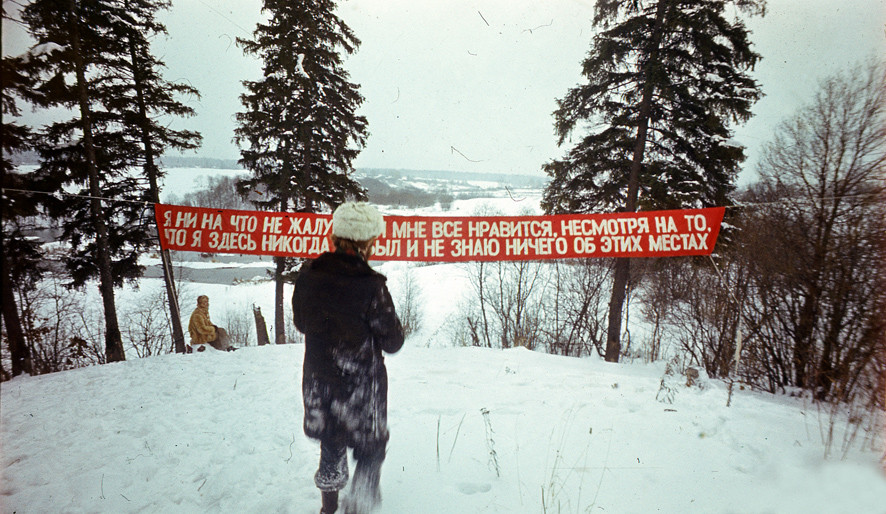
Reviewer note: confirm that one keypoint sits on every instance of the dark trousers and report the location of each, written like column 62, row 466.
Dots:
column 332, row 474
column 367, row 474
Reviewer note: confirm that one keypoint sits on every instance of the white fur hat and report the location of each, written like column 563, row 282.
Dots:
column 357, row 221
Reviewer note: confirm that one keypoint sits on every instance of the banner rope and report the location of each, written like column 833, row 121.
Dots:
column 146, row 203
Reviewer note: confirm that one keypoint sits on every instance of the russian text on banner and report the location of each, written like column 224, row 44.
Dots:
column 447, row 238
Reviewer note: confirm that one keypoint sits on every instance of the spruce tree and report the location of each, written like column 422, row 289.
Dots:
column 78, row 47
column 665, row 78
column 300, row 133
column 22, row 264
column 91, row 57
column 143, row 102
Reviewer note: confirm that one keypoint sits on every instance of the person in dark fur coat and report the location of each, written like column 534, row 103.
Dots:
column 348, row 317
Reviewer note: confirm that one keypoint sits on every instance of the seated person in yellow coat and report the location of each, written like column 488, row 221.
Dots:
column 202, row 330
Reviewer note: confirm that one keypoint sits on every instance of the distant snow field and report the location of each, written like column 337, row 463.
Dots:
column 180, row 181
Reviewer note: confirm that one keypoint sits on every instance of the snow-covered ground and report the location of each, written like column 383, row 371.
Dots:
column 179, row 181
column 473, row 430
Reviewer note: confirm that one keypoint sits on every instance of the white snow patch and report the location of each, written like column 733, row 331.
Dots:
column 221, row 432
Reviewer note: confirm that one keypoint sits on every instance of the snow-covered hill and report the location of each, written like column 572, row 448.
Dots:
column 473, row 430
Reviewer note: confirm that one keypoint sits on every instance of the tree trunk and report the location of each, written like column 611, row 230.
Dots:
column 279, row 317
column 616, row 304
column 178, row 334
column 113, row 340
column 481, row 281
column 279, row 270
column 18, row 350
column 623, row 266
column 809, row 312
column 178, row 337
column 804, row 354
column 829, row 372
column 803, row 341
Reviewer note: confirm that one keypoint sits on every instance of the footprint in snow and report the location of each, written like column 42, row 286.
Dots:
column 468, row 488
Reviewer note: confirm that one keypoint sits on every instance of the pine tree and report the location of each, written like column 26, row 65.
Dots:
column 142, row 102
column 94, row 58
column 78, row 63
column 76, row 46
column 299, row 133
column 22, row 264
column 664, row 80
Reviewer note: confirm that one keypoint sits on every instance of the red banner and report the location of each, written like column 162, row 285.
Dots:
column 447, row 239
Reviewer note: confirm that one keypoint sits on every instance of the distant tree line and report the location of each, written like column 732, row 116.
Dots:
column 219, row 193
column 515, row 180
column 404, row 196
column 172, row 161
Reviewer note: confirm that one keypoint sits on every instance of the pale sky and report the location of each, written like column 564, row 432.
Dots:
column 471, row 85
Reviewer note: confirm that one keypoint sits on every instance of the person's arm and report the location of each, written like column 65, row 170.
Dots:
column 384, row 322
column 298, row 300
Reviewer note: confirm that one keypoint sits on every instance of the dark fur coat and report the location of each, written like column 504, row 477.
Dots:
column 348, row 317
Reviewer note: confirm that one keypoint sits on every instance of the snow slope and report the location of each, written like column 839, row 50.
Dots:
column 221, row 432
column 473, row 430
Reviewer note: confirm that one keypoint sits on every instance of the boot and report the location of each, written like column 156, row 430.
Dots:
column 330, row 502
column 364, row 496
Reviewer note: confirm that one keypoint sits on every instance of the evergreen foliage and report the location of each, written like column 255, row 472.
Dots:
column 20, row 255
column 145, row 100
column 142, row 102
column 126, row 100
column 92, row 59
column 300, row 132
column 77, row 63
column 665, row 78
column 678, row 67
column 22, row 266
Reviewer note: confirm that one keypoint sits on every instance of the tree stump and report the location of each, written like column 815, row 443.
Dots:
column 261, row 329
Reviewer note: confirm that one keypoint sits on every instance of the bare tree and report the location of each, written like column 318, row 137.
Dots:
column 556, row 306
column 666, row 284
column 704, row 317
column 518, row 290
column 821, row 275
column 239, row 325
column 478, row 276
column 148, row 326
column 60, row 329
column 478, row 322
column 218, row 192
column 408, row 304
column 575, row 307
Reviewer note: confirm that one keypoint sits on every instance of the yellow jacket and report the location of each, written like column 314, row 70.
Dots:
column 200, row 327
